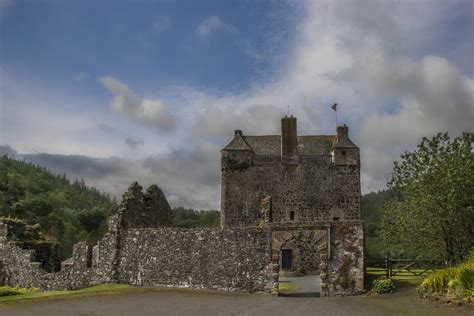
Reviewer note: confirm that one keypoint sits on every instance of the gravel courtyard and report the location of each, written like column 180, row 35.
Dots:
column 143, row 301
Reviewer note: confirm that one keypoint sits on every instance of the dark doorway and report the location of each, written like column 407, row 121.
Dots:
column 286, row 259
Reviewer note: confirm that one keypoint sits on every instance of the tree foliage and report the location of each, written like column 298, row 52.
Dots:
column 431, row 214
column 189, row 218
column 67, row 211
column 372, row 206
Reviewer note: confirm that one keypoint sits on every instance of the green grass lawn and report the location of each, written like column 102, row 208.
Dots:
column 401, row 276
column 95, row 290
column 287, row 287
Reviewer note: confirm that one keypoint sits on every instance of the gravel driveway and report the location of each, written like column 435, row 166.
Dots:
column 142, row 301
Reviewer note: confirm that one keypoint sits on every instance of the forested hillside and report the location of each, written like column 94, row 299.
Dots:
column 66, row 211
column 372, row 209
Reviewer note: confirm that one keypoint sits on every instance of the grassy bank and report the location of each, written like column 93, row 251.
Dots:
column 95, row 290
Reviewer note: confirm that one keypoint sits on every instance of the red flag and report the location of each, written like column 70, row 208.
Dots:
column 334, row 107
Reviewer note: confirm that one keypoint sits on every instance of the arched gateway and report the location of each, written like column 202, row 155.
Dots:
column 319, row 240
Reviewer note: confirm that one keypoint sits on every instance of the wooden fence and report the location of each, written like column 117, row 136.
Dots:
column 413, row 266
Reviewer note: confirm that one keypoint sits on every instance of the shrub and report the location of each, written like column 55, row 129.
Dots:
column 466, row 278
column 383, row 285
column 455, row 281
column 9, row 291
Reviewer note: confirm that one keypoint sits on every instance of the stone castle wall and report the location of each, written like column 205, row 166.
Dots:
column 230, row 259
column 237, row 259
column 233, row 259
column 315, row 192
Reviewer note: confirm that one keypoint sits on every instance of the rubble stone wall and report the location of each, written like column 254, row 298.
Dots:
column 225, row 259
column 315, row 192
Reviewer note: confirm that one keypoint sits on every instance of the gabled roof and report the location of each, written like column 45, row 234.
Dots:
column 344, row 143
column 271, row 144
column 237, row 143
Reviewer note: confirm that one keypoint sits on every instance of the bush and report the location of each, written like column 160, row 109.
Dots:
column 383, row 285
column 466, row 278
column 9, row 291
column 455, row 282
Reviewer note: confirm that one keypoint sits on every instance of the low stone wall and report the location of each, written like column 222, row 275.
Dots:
column 231, row 259
column 19, row 267
column 225, row 259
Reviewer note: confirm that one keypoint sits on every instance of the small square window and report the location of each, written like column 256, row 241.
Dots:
column 292, row 215
column 335, row 218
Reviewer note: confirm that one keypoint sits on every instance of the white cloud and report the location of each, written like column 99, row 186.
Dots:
column 150, row 112
column 374, row 58
column 161, row 24
column 208, row 25
column 364, row 56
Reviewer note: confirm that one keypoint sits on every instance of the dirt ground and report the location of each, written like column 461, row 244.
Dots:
column 148, row 301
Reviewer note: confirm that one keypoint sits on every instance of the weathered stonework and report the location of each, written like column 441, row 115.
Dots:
column 300, row 193
column 301, row 187
column 226, row 259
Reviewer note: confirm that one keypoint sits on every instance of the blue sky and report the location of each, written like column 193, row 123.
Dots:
column 151, row 90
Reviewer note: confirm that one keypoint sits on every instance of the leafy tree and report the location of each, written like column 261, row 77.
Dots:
column 189, row 218
column 432, row 213
column 372, row 206
column 68, row 212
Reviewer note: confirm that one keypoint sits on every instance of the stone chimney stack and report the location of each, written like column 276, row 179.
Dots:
column 342, row 132
column 289, row 140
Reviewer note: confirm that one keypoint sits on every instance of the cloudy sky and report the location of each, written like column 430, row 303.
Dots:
column 117, row 91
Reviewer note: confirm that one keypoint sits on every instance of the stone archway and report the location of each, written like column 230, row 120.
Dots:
column 320, row 240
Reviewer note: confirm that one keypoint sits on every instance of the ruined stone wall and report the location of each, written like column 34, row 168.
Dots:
column 230, row 259
column 314, row 192
column 20, row 268
column 346, row 265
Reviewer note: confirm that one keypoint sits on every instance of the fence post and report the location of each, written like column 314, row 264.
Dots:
column 390, row 266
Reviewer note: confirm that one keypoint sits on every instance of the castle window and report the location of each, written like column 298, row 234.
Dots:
column 292, row 215
column 335, row 218
column 343, row 153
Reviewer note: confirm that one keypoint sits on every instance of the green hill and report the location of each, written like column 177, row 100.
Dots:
column 67, row 212
column 372, row 208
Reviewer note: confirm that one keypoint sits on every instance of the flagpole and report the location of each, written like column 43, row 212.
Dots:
column 334, row 108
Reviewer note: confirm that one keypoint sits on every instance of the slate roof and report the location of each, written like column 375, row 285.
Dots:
column 271, row 144
column 344, row 143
